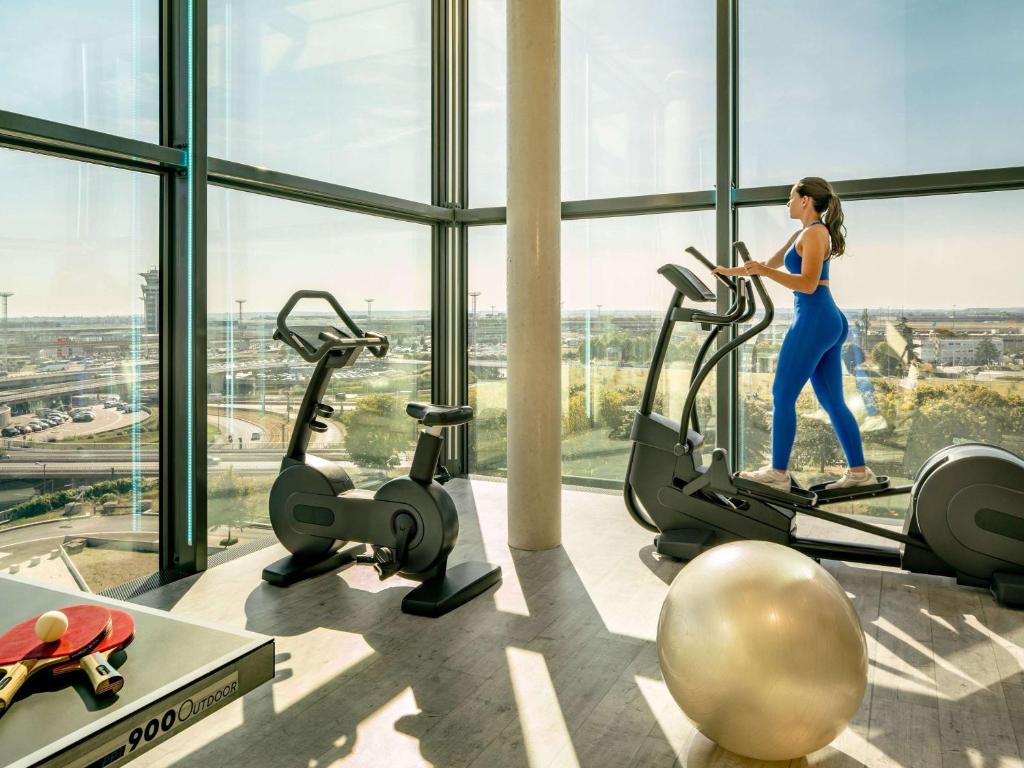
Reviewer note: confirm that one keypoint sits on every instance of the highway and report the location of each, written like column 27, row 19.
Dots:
column 109, row 379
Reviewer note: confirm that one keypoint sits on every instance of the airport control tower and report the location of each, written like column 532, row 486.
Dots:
column 151, row 299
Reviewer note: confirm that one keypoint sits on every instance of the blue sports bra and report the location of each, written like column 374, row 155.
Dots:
column 793, row 262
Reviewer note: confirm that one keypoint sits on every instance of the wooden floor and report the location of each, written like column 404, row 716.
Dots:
column 559, row 667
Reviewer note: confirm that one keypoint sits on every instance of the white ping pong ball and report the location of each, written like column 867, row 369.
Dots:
column 51, row 626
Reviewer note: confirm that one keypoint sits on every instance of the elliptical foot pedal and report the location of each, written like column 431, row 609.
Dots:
column 293, row 568
column 1008, row 589
column 880, row 488
column 683, row 543
column 796, row 494
column 460, row 584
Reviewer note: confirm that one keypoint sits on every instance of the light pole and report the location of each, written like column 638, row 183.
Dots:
column 5, row 295
column 43, row 465
column 472, row 340
column 369, row 302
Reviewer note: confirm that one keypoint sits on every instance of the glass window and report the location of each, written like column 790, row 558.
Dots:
column 638, row 100
column 487, row 103
column 332, row 91
column 94, row 65
column 79, row 371
column 488, row 351
column 878, row 88
column 612, row 310
column 638, row 97
column 930, row 287
column 262, row 250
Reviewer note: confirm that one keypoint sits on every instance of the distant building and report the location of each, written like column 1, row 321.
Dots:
column 956, row 350
column 151, row 299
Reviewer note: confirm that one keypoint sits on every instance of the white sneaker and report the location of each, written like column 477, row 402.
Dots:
column 874, row 424
column 767, row 475
column 853, row 479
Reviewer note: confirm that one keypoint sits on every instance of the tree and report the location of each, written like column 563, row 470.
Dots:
column 377, row 430
column 987, row 352
column 756, row 426
column 903, row 329
column 816, row 444
column 865, row 322
column 887, row 361
column 229, row 500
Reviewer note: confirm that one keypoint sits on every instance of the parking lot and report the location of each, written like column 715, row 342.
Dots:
column 104, row 419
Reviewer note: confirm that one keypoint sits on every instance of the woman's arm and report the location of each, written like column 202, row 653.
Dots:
column 813, row 256
column 780, row 256
column 730, row 271
column 775, row 261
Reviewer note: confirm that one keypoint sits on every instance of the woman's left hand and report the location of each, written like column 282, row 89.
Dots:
column 756, row 268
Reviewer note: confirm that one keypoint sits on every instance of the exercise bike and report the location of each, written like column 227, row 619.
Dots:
column 966, row 517
column 410, row 523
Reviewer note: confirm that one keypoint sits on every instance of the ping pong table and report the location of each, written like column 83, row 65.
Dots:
column 177, row 671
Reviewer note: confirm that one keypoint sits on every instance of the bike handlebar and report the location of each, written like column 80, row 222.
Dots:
column 332, row 338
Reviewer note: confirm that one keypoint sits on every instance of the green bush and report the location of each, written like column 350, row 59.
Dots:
column 617, row 406
column 378, row 429
column 575, row 419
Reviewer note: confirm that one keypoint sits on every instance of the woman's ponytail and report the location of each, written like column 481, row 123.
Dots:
column 828, row 206
column 833, row 219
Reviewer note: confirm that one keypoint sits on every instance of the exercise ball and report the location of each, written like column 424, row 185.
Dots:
column 762, row 650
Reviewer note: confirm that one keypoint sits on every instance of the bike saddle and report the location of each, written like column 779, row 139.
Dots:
column 440, row 415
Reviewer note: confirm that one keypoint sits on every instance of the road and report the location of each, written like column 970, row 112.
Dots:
column 331, row 437
column 79, row 526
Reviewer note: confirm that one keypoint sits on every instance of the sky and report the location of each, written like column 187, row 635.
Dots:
column 340, row 90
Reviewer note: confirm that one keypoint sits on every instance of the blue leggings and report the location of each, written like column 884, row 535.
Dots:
column 812, row 350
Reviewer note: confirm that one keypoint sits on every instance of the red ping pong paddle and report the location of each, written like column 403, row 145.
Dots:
column 22, row 654
column 104, row 678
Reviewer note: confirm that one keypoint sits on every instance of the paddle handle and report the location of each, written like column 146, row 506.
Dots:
column 14, row 677
column 104, row 678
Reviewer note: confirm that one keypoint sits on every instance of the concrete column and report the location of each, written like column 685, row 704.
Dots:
column 534, row 272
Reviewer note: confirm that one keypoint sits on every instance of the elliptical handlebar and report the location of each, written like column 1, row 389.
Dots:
column 766, row 301
column 331, row 338
column 741, row 307
column 746, row 307
column 724, row 279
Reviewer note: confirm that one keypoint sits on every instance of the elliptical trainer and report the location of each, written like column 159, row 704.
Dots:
column 410, row 523
column 966, row 516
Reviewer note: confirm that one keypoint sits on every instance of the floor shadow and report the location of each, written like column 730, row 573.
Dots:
column 449, row 685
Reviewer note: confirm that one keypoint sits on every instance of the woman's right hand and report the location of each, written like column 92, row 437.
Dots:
column 728, row 271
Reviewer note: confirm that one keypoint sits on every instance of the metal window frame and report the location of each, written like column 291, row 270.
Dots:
column 183, row 476
column 733, row 198
column 34, row 134
column 186, row 172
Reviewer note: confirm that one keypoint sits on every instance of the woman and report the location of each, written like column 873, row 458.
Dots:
column 813, row 344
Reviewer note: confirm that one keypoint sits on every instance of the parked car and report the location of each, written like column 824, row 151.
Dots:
column 25, row 429
column 10, row 432
column 83, row 416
